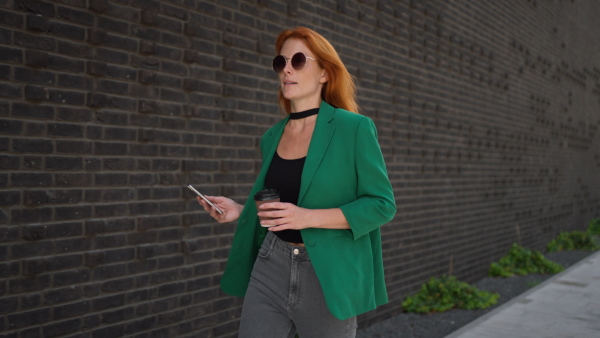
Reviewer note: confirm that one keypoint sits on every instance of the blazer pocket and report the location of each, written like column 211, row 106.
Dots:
column 345, row 235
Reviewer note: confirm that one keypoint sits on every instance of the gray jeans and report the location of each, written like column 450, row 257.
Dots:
column 284, row 296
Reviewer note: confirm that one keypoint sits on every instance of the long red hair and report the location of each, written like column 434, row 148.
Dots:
column 340, row 88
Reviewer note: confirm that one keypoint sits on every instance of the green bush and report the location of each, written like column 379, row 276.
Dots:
column 521, row 261
column 594, row 227
column 578, row 240
column 594, row 232
column 445, row 293
column 575, row 240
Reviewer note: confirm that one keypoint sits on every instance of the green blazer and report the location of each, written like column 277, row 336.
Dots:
column 344, row 168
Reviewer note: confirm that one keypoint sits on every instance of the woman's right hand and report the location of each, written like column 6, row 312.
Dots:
column 231, row 210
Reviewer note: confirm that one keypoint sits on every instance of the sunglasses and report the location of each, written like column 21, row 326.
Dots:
column 298, row 62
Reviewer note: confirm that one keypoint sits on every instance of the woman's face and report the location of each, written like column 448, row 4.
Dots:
column 302, row 87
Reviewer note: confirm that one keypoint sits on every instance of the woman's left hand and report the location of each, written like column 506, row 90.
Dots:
column 286, row 216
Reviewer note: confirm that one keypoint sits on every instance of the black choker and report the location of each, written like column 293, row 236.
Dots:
column 303, row 114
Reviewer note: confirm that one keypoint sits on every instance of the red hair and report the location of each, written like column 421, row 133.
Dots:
column 340, row 89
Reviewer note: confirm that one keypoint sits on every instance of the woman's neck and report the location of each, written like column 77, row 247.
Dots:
column 299, row 106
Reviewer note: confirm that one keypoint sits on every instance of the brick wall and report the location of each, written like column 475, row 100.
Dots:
column 488, row 114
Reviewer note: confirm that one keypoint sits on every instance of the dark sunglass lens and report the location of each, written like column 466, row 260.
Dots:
column 278, row 63
column 298, row 61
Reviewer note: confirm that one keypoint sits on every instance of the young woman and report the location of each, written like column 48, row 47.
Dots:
column 317, row 264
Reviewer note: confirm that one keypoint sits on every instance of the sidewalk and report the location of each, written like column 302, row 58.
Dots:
column 566, row 305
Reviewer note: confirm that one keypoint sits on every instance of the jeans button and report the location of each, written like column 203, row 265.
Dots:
column 296, row 251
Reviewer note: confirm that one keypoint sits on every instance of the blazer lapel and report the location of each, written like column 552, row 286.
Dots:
column 319, row 143
column 270, row 141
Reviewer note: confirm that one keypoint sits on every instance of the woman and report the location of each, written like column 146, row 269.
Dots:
column 317, row 264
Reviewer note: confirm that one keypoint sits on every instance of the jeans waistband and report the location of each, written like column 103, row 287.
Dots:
column 299, row 252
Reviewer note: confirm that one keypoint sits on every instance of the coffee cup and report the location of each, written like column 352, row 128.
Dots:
column 266, row 196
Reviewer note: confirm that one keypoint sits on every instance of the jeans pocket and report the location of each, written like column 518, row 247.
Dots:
column 264, row 252
column 267, row 247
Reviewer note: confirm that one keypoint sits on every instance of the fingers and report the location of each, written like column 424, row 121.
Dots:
column 213, row 213
column 277, row 216
column 272, row 222
column 221, row 218
column 203, row 203
column 275, row 205
column 277, row 228
column 276, row 224
column 281, row 223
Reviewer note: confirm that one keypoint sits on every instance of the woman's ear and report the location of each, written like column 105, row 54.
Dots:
column 324, row 77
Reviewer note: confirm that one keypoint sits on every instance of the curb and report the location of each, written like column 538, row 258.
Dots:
column 519, row 298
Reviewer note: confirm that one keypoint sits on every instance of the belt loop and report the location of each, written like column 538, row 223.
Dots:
column 273, row 239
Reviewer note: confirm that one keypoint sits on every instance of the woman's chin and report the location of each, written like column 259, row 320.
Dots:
column 288, row 94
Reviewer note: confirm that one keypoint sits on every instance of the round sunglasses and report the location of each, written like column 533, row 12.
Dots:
column 298, row 62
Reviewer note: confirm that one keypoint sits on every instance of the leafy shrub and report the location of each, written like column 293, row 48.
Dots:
column 594, row 227
column 578, row 240
column 445, row 293
column 521, row 261
column 594, row 232
column 575, row 240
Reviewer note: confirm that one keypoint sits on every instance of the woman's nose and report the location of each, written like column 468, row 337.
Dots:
column 288, row 67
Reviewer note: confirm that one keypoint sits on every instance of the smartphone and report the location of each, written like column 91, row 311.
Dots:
column 204, row 198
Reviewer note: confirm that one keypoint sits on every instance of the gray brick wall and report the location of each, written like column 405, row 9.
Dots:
column 488, row 114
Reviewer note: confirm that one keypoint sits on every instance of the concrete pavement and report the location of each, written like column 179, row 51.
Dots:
column 565, row 305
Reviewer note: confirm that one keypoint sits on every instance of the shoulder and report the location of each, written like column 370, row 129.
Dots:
column 350, row 118
column 353, row 121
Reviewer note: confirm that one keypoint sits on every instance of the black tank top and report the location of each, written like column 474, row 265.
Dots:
column 286, row 176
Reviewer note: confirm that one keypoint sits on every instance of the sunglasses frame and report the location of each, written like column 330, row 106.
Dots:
column 292, row 61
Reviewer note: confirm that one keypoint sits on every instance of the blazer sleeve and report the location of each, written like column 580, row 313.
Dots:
column 375, row 204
